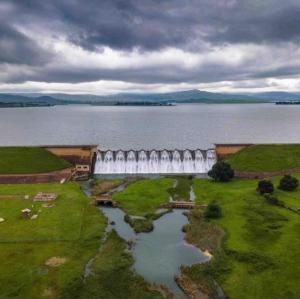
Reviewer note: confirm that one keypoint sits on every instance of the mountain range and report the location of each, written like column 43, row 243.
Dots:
column 188, row 96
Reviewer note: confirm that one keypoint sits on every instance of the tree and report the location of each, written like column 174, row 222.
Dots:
column 221, row 172
column 288, row 183
column 213, row 210
column 265, row 186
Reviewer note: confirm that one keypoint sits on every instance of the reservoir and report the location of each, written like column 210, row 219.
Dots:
column 183, row 126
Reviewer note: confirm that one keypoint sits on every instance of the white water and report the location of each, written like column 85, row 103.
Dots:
column 155, row 161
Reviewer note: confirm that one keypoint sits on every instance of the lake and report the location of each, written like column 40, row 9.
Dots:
column 181, row 126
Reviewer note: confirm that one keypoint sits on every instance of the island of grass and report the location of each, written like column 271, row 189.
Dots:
column 266, row 158
column 141, row 200
column 29, row 160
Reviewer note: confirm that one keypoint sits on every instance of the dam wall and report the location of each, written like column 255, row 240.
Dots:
column 154, row 161
column 75, row 154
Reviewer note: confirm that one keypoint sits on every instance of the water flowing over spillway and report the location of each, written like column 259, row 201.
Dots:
column 154, row 161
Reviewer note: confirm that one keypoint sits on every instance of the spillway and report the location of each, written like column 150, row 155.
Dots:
column 154, row 161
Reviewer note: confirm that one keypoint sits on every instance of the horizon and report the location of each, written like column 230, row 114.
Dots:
column 53, row 93
column 141, row 47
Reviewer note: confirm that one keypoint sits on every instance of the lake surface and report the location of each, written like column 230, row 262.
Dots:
column 159, row 254
column 182, row 126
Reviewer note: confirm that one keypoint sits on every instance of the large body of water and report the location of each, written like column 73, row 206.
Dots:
column 183, row 126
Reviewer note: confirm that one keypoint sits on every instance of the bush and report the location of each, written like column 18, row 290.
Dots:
column 265, row 186
column 213, row 210
column 221, row 172
column 288, row 183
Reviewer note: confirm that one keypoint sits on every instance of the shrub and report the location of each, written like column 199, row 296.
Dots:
column 288, row 183
column 221, row 172
column 265, row 186
column 213, row 210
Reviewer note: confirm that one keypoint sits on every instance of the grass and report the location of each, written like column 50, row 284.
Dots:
column 113, row 276
column 144, row 197
column 103, row 186
column 272, row 157
column 71, row 229
column 22, row 160
column 181, row 192
column 261, row 244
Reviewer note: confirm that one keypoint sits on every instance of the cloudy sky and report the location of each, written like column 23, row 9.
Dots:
column 108, row 46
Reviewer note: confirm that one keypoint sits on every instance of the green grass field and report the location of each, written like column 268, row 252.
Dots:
column 20, row 160
column 71, row 229
column 261, row 247
column 272, row 157
column 112, row 276
column 144, row 196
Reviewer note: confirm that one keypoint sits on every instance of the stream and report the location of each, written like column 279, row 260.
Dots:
column 159, row 254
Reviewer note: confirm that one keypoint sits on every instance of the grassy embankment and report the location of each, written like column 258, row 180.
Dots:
column 21, row 160
column 271, row 157
column 70, row 231
column 103, row 186
column 259, row 256
column 112, row 276
column 142, row 199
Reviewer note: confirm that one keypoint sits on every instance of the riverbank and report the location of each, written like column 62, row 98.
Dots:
column 253, row 244
column 259, row 248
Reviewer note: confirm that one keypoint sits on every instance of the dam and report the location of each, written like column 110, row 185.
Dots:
column 154, row 161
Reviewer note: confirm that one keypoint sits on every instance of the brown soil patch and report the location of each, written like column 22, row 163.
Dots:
column 190, row 288
column 48, row 293
column 55, row 261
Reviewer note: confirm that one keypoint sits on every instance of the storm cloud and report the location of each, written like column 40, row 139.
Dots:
column 149, row 42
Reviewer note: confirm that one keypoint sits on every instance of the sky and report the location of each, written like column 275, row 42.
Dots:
column 111, row 46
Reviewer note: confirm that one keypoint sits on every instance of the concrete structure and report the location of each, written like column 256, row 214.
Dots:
column 105, row 200
column 75, row 154
column 42, row 196
column 180, row 205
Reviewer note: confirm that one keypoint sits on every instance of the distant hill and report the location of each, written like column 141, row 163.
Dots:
column 188, row 96
column 14, row 98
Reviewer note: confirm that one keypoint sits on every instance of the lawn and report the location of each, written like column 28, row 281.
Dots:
column 181, row 190
column 272, row 157
column 20, row 160
column 261, row 247
column 145, row 196
column 71, row 229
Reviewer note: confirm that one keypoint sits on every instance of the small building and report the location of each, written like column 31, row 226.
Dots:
column 83, row 168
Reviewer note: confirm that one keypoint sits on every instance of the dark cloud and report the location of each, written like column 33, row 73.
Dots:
column 16, row 48
column 155, row 24
column 146, row 25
